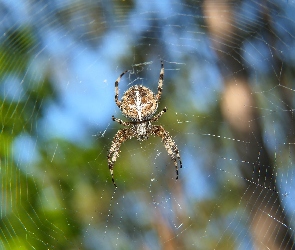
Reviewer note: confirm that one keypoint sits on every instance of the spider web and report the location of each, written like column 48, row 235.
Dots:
column 229, row 89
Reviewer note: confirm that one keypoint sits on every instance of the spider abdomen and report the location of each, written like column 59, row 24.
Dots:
column 138, row 103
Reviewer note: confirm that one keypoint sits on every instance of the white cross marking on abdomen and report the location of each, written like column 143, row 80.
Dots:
column 139, row 106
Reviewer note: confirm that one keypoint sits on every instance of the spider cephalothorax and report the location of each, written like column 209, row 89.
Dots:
column 139, row 104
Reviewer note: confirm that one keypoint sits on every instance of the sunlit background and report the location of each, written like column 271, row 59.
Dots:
column 229, row 90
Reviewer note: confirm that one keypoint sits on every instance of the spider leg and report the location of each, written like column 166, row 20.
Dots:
column 160, row 82
column 117, row 89
column 120, row 137
column 169, row 144
column 121, row 122
column 156, row 117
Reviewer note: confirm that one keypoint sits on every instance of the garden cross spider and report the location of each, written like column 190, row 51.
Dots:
column 139, row 104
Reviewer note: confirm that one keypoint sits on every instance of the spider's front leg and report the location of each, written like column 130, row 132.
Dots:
column 117, row 89
column 169, row 144
column 160, row 82
column 121, row 136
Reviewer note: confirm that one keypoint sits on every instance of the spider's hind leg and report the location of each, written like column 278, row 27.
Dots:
column 120, row 137
column 169, row 144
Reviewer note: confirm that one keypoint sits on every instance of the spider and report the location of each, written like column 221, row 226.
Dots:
column 139, row 104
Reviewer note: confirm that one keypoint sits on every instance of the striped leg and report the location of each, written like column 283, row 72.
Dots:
column 121, row 136
column 117, row 89
column 156, row 118
column 160, row 82
column 121, row 121
column 169, row 144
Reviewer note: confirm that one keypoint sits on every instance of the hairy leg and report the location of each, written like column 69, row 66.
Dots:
column 169, row 144
column 121, row 136
column 156, row 117
column 160, row 82
column 117, row 89
column 121, row 121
